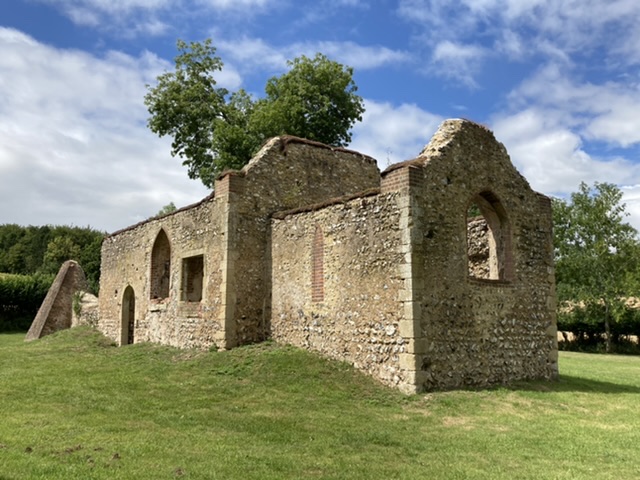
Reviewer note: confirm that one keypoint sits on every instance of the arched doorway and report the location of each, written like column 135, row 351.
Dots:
column 128, row 316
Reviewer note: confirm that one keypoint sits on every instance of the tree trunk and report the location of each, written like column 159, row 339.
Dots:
column 607, row 328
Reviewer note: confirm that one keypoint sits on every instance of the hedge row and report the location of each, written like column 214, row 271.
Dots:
column 587, row 327
column 20, row 299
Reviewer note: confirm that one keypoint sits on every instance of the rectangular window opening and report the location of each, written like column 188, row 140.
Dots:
column 192, row 278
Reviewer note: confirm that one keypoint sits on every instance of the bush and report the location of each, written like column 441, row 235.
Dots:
column 20, row 299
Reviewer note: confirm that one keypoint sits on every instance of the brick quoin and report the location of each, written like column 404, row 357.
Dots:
column 401, row 178
column 229, row 183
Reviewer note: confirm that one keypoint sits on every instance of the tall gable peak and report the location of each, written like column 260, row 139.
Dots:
column 460, row 131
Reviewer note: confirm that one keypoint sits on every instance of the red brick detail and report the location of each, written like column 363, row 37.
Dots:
column 400, row 178
column 229, row 184
column 317, row 266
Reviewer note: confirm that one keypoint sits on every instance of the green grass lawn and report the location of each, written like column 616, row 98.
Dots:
column 74, row 407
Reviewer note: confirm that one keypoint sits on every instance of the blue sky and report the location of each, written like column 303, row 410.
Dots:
column 556, row 80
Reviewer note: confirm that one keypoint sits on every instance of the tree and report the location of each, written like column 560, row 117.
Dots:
column 30, row 250
column 167, row 209
column 185, row 104
column 214, row 129
column 59, row 250
column 316, row 100
column 597, row 252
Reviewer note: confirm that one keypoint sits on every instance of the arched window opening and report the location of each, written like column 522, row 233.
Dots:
column 317, row 266
column 489, row 255
column 160, row 267
column 128, row 316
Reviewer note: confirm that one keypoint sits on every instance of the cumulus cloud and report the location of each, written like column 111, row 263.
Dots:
column 458, row 61
column 605, row 112
column 74, row 147
column 254, row 53
column 393, row 133
column 551, row 156
column 561, row 129
column 130, row 18
column 548, row 28
column 93, row 13
column 631, row 199
column 235, row 4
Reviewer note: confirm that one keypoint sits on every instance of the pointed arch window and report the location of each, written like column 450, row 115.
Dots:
column 160, row 267
column 128, row 316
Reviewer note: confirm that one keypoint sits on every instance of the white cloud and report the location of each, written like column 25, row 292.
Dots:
column 118, row 7
column 360, row 57
column 74, row 147
column 235, row 4
column 391, row 133
column 631, row 199
column 606, row 112
column 254, row 53
column 128, row 18
column 551, row 156
column 552, row 29
column 457, row 61
column 510, row 43
column 91, row 12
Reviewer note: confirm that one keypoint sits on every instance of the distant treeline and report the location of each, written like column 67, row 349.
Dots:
column 30, row 257
column 42, row 250
column 586, row 323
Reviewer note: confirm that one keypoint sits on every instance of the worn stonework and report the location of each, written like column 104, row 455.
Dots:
column 358, row 318
column 227, row 233
column 312, row 246
column 56, row 310
column 84, row 309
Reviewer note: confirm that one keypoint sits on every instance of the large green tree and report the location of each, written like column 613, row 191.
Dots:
column 214, row 129
column 597, row 252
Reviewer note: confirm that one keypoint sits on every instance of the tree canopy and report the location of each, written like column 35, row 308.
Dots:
column 597, row 252
column 214, row 129
column 42, row 250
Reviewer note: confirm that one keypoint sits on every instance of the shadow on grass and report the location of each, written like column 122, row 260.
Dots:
column 569, row 383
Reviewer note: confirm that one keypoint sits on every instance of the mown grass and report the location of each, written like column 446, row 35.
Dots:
column 74, row 407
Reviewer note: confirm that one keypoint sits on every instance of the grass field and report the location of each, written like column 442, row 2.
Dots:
column 74, row 407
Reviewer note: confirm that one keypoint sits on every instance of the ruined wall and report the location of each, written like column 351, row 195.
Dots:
column 391, row 277
column 470, row 331
column 55, row 312
column 478, row 250
column 127, row 262
column 350, row 309
column 287, row 173
column 85, row 309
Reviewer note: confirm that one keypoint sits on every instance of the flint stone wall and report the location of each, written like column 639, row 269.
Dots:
column 358, row 318
column 231, row 230
column 468, row 331
column 287, row 173
column 410, row 295
column 126, row 261
column 311, row 245
column 87, row 311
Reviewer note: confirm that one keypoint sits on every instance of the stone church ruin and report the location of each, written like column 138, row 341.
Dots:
column 434, row 274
